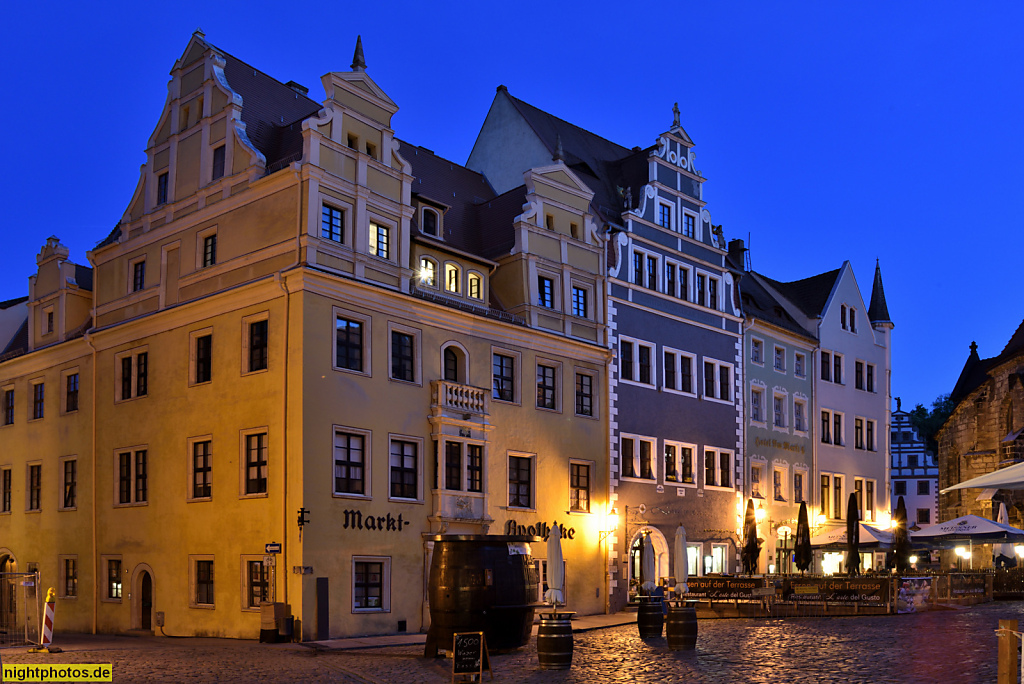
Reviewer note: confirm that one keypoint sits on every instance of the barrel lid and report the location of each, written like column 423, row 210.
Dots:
column 500, row 538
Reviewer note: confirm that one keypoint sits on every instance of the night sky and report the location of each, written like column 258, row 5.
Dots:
column 827, row 131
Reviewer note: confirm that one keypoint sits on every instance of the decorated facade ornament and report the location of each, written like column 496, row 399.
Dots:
column 675, row 115
column 719, row 235
column 358, row 61
column 559, row 155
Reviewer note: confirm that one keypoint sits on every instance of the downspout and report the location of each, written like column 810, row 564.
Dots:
column 95, row 558
column 284, row 382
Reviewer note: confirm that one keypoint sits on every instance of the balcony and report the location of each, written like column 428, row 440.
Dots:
column 463, row 400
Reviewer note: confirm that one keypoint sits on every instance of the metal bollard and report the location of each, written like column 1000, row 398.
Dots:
column 1007, row 672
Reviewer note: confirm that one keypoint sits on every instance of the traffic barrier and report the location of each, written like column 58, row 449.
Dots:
column 46, row 633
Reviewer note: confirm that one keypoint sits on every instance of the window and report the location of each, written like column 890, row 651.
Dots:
column 724, row 461
column 161, row 189
column 203, row 595
column 209, row 250
column 870, row 439
column 757, row 405
column 837, row 500
column 371, row 150
column 545, row 292
column 635, row 361
column 257, row 346
column 218, row 163
column 403, row 356
column 68, row 576
column 48, row 327
column 670, row 278
column 132, row 477
column 114, row 579
column 8, row 407
column 71, row 393
column 520, row 482
column 430, row 222
column 35, row 487
column 380, row 240
column 257, row 583
column 139, row 275
column 349, row 341
column 679, row 463
column 549, row 222
column 579, row 487
column 638, row 457
column 547, row 390
column 256, row 463
column 579, row 302
column 584, row 394
column 826, row 427
column 665, row 215
column 799, row 363
column 837, row 429
column 778, row 484
column 5, row 490
column 350, row 462
column 871, row 378
column 70, row 484
column 853, row 320
column 826, row 366
column 779, row 411
column 924, row 487
column 924, row 516
column 688, row 225
column 645, row 270
column 404, row 465
column 837, row 368
column 450, row 362
column 858, row 492
column 798, row 487
column 627, row 454
column 353, row 142
column 203, row 359
column 701, row 288
column 453, row 466
column 504, row 369
column 626, row 355
column 826, row 489
column 870, row 500
column 899, row 488
column 452, row 278
column 780, row 359
column 678, row 371
column 332, row 223
column 132, row 374
column 799, row 410
column 832, row 428
column 842, row 316
column 428, row 272
column 858, row 433
column 476, row 286
column 474, row 467
column 713, row 293
column 38, row 400
column 717, row 381
column 756, row 479
column 371, row 584
column 858, row 378
column 202, row 469
column 756, row 351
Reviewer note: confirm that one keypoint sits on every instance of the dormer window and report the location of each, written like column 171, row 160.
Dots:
column 476, row 286
column 452, row 278
column 430, row 222
column 428, row 272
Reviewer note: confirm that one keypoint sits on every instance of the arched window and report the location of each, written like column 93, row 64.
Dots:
column 454, row 363
column 475, row 286
column 428, row 272
column 451, row 365
column 430, row 222
column 452, row 278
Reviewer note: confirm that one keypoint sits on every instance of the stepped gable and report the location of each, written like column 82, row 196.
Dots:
column 809, row 294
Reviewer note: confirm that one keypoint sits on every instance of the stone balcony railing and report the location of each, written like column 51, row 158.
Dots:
column 466, row 399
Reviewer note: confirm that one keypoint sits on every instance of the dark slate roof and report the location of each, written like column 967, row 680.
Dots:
column 1016, row 343
column 975, row 370
column 497, row 222
column 83, row 276
column 759, row 303
column 18, row 344
column 11, row 302
column 809, row 294
column 454, row 186
column 272, row 112
column 603, row 165
column 877, row 310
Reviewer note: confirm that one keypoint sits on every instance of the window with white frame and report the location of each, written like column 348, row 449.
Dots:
column 332, row 223
column 831, row 427
column 869, row 435
column 757, row 351
column 853, row 320
column 463, row 466
column 780, row 359
column 548, row 391
column 645, row 269
column 858, row 492
column 131, row 374
column 858, row 375
column 799, row 477
column 579, row 301
column 351, row 342
column 664, row 214
column 380, row 240
column 800, row 415
column 858, row 433
column 671, row 278
column 586, row 387
column 504, row 365
column 842, row 316
column 636, row 361
column 779, row 410
column 452, row 278
column 757, row 405
column 837, row 368
column 545, row 292
column 351, row 462
column 677, row 371
column 428, row 272
column 718, row 465
column 757, row 479
column 719, row 558
column 637, row 457
column 405, row 468
column 521, row 480
column 869, row 500
column 779, row 483
column 718, row 380
column 403, row 351
column 371, row 584
column 131, row 476
column 580, row 485
column 825, row 495
column 679, row 466
column 870, row 380
column 838, row 503
column 475, row 286
column 826, row 366
column 689, row 225
column 799, row 365
column 430, row 222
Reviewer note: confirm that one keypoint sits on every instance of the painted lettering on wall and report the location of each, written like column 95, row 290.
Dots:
column 776, row 444
column 540, row 529
column 683, row 161
column 382, row 523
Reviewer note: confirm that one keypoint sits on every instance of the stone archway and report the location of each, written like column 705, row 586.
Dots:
column 661, row 552
column 8, row 591
column 143, row 592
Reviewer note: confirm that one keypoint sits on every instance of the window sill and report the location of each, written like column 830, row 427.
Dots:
column 202, row 606
column 548, row 410
column 717, row 488
column 129, row 399
column 110, row 600
column 583, row 415
column 255, row 372
column 518, row 508
column 716, row 400
column 358, row 611
column 669, row 390
column 505, row 401
column 673, row 483
column 70, row 508
column 351, row 496
column 641, row 480
column 583, row 513
column 645, row 385
column 200, row 384
column 780, row 428
column 397, row 499
column 352, row 371
column 759, row 423
column 68, row 598
column 199, row 499
column 414, row 383
column 33, row 510
column 259, row 495
column 132, row 504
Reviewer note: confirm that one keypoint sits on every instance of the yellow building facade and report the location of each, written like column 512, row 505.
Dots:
column 306, row 348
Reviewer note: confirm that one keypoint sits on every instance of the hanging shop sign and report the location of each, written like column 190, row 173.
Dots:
column 762, row 443
column 541, row 529
column 355, row 520
column 966, row 585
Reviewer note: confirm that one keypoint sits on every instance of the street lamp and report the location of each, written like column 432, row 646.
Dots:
column 961, row 553
column 1019, row 550
column 759, row 514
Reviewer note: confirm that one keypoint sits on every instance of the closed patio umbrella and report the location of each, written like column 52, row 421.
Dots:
column 751, row 545
column 901, row 537
column 556, row 569
column 852, row 537
column 647, row 566
column 682, row 568
column 804, row 555
column 1003, row 552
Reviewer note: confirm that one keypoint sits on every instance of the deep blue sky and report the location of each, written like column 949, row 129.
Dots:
column 827, row 131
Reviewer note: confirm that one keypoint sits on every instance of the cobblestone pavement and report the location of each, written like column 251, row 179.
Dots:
column 957, row 646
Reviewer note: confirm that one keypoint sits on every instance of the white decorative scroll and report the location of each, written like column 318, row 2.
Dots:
column 649, row 193
column 684, row 161
column 619, row 241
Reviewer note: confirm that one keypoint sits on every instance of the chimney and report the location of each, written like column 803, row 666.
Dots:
column 297, row 87
column 736, row 252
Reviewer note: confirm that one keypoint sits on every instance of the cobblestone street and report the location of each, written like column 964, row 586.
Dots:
column 938, row 646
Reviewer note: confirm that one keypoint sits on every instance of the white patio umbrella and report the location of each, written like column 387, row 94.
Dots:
column 556, row 569
column 648, row 569
column 1005, row 478
column 1003, row 519
column 870, row 537
column 682, row 567
column 968, row 528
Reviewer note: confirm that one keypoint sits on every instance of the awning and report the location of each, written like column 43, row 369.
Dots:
column 969, row 528
column 870, row 537
column 1013, row 435
column 1006, row 478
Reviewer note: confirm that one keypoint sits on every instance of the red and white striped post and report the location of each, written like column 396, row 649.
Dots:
column 47, row 636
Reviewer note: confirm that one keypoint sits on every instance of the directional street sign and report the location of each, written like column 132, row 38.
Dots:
column 272, row 547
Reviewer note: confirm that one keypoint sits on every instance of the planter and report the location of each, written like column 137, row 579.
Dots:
column 554, row 641
column 681, row 626
column 649, row 617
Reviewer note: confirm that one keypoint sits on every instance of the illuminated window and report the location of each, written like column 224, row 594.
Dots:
column 452, row 278
column 380, row 240
column 428, row 272
column 476, row 286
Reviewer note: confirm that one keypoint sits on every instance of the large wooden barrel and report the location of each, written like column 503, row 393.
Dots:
column 649, row 617
column 481, row 583
column 681, row 627
column 554, row 642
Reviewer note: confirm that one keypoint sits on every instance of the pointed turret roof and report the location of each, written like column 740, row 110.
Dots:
column 878, row 312
column 358, row 60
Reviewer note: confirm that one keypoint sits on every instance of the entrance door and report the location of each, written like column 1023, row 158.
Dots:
column 8, row 596
column 146, row 594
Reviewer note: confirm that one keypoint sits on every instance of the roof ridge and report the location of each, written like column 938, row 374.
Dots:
column 260, row 71
column 515, row 100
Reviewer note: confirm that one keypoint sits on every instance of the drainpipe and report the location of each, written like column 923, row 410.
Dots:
column 95, row 558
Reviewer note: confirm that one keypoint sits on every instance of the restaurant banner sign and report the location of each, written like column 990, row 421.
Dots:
column 967, row 585
column 722, row 587
column 835, row 590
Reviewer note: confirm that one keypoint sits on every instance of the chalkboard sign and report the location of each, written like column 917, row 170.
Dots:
column 469, row 654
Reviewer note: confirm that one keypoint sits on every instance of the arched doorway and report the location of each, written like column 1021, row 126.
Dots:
column 661, row 553
column 8, row 592
column 142, row 597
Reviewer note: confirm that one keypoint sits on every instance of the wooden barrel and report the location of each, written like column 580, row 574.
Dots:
column 554, row 642
column 481, row 583
column 649, row 618
column 681, row 627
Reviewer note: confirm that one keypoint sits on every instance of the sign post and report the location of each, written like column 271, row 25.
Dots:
column 469, row 656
